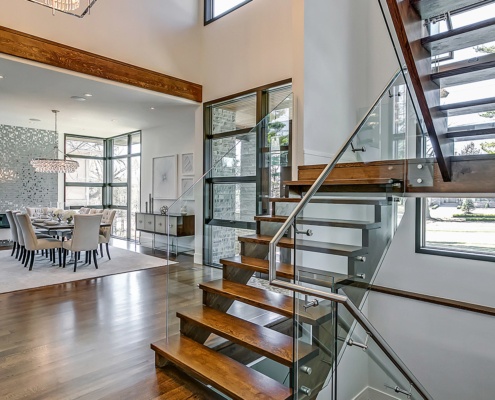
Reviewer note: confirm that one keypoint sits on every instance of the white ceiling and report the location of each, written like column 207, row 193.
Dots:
column 30, row 90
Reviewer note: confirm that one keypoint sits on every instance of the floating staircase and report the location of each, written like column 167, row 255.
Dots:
column 198, row 323
column 370, row 186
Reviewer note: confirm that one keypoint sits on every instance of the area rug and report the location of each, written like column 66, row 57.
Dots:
column 13, row 276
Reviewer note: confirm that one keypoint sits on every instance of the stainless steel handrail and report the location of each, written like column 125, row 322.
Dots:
column 344, row 300
column 318, row 182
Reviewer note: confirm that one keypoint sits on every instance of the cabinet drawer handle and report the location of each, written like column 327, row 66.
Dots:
column 140, row 221
column 149, row 222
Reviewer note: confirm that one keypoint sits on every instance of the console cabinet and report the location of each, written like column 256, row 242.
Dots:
column 156, row 224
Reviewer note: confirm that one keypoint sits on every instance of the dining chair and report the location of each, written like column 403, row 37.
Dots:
column 84, row 238
column 20, row 239
column 96, row 211
column 84, row 210
column 32, row 243
column 107, row 218
column 13, row 233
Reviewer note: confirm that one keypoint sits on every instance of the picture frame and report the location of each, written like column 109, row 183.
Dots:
column 187, row 163
column 185, row 185
column 165, row 177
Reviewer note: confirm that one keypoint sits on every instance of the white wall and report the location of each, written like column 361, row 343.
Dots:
column 158, row 35
column 248, row 48
column 175, row 136
column 348, row 60
column 450, row 351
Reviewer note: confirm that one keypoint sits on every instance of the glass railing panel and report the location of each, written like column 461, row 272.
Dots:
column 374, row 373
column 315, row 326
column 344, row 225
column 230, row 186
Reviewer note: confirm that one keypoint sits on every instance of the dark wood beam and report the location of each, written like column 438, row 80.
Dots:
column 410, row 30
column 23, row 45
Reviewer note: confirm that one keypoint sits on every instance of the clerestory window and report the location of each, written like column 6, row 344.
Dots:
column 215, row 9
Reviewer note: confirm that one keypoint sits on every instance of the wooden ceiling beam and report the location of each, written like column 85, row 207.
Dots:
column 23, row 45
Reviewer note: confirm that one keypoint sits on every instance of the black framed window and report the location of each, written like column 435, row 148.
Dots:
column 109, row 176
column 456, row 227
column 243, row 171
column 215, row 9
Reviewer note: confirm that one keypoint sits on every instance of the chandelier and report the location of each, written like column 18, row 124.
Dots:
column 55, row 165
column 71, row 7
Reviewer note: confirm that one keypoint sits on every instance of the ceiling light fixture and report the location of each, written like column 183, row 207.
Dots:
column 1, row 76
column 71, row 7
column 88, row 95
column 55, row 165
column 78, row 98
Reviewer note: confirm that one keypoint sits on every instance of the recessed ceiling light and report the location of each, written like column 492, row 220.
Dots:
column 1, row 76
column 78, row 98
column 152, row 108
column 113, row 120
column 35, row 119
column 88, row 95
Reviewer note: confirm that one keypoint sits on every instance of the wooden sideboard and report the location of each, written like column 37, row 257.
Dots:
column 156, row 224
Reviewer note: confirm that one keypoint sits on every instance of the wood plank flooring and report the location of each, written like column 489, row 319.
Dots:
column 91, row 339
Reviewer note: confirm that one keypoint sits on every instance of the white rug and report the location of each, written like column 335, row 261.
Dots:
column 13, row 275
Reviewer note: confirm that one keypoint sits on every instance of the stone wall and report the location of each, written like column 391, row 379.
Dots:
column 25, row 187
column 232, row 201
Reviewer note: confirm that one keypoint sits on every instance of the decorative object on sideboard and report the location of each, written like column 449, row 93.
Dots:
column 71, row 7
column 146, row 207
column 55, row 165
column 183, row 210
column 164, row 210
column 165, row 177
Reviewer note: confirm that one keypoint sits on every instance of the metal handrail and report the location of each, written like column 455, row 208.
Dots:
column 337, row 298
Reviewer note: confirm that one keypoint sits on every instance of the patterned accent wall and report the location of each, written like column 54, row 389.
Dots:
column 27, row 188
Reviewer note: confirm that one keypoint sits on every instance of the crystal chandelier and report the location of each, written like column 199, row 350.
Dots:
column 71, row 7
column 55, row 165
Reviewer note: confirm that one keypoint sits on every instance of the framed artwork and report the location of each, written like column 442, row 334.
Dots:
column 165, row 177
column 185, row 185
column 187, row 164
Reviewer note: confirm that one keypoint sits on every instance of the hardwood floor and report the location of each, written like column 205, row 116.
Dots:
column 91, row 339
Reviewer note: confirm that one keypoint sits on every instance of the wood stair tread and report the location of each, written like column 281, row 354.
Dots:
column 286, row 270
column 469, row 107
column 266, row 300
column 428, row 8
column 467, row 71
column 264, row 341
column 461, row 38
column 340, row 223
column 482, row 133
column 370, row 181
column 308, row 245
column 215, row 369
column 374, row 202
column 258, row 265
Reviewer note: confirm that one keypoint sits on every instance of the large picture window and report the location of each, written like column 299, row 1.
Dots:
column 249, row 160
column 215, row 9
column 457, row 227
column 109, row 176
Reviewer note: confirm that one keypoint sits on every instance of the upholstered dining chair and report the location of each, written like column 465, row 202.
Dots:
column 96, row 211
column 20, row 239
column 13, row 233
column 84, row 238
column 32, row 243
column 107, row 218
column 84, row 210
